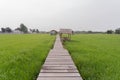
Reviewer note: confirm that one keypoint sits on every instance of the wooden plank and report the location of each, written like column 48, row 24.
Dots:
column 60, row 74
column 58, row 54
column 59, row 63
column 58, row 67
column 59, row 71
column 59, row 78
column 59, row 57
column 58, row 60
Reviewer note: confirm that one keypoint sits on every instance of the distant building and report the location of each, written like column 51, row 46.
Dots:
column 69, row 32
column 66, row 31
column 53, row 32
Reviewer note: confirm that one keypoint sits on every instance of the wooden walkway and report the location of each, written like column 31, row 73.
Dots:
column 59, row 65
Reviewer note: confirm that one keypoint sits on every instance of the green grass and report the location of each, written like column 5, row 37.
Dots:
column 97, row 56
column 21, row 55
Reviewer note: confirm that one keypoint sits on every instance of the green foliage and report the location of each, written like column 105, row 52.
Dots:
column 23, row 28
column 97, row 56
column 3, row 30
column 22, row 55
column 117, row 31
column 34, row 30
column 7, row 30
column 109, row 31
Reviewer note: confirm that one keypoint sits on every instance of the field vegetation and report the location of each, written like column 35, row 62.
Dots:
column 97, row 56
column 21, row 55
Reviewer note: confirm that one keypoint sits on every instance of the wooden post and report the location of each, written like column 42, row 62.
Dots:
column 70, row 36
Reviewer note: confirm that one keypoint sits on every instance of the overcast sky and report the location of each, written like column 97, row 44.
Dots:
column 96, row 15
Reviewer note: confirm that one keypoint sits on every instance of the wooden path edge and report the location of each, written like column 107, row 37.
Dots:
column 59, row 65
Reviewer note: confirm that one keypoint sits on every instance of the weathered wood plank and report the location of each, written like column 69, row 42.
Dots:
column 59, row 74
column 58, row 67
column 59, row 78
column 58, row 60
column 59, row 71
column 59, row 63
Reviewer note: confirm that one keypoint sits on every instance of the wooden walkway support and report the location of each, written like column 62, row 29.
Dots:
column 59, row 65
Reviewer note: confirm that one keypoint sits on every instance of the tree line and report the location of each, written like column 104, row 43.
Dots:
column 117, row 31
column 22, row 29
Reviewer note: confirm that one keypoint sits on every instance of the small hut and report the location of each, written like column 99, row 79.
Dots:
column 53, row 32
column 67, row 32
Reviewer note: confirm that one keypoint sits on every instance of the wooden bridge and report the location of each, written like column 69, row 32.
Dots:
column 59, row 65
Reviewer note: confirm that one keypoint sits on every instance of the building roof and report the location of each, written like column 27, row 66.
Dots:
column 66, row 31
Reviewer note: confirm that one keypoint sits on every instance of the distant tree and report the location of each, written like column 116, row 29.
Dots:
column 8, row 30
column 18, row 29
column 109, row 31
column 30, row 30
column 117, row 31
column 23, row 28
column 3, row 30
column 37, row 31
column 89, row 31
column 34, row 30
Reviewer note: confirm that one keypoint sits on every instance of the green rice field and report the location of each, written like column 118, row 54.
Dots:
column 21, row 55
column 97, row 56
